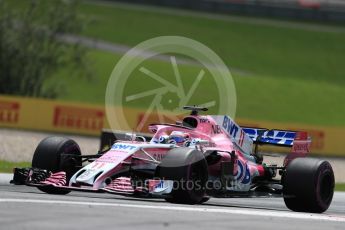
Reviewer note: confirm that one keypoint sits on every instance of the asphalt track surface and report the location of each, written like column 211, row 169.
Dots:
column 24, row 207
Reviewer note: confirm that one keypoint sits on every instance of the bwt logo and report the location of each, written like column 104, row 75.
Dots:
column 9, row 112
column 78, row 118
column 123, row 147
column 230, row 127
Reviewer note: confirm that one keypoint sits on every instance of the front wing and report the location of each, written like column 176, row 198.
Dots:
column 40, row 178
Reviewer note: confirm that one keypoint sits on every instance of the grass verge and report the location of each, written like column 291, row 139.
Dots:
column 258, row 97
column 340, row 187
column 7, row 167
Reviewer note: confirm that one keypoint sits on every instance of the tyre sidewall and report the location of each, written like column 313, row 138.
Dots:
column 188, row 169
column 304, row 183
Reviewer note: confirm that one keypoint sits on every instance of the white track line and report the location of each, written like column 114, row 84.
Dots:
column 264, row 213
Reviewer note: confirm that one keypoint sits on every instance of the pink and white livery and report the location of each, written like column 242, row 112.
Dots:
column 188, row 162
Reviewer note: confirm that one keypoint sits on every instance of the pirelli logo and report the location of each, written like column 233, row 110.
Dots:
column 9, row 112
column 78, row 118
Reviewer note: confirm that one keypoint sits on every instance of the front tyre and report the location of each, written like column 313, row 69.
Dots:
column 57, row 154
column 188, row 169
column 308, row 185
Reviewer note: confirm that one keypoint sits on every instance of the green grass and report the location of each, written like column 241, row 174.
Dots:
column 291, row 74
column 261, row 49
column 288, row 70
column 259, row 97
column 340, row 187
column 7, row 167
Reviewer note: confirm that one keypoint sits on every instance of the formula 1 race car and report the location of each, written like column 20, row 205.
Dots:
column 187, row 162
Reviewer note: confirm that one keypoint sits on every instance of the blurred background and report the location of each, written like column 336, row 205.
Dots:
column 286, row 57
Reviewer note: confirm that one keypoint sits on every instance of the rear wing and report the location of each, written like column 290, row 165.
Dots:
column 273, row 137
column 299, row 141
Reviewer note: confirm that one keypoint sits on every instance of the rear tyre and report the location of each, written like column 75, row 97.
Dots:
column 308, row 185
column 49, row 155
column 188, row 169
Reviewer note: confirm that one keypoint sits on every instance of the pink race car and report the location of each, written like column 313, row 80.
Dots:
column 187, row 162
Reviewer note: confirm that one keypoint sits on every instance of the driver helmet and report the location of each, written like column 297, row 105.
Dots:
column 179, row 137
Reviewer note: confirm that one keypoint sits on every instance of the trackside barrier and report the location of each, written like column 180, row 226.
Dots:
column 86, row 119
column 48, row 115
